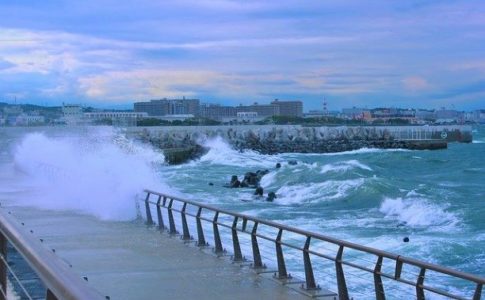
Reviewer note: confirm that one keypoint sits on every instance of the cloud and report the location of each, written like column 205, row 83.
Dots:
column 415, row 83
column 5, row 64
column 241, row 50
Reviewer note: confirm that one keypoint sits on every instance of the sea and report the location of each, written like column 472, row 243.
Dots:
column 374, row 197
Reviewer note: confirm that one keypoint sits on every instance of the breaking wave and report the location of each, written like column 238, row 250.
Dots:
column 417, row 212
column 99, row 174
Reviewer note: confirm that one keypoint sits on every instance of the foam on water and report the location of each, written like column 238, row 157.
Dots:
column 222, row 153
column 98, row 176
column 344, row 166
column 417, row 212
column 317, row 192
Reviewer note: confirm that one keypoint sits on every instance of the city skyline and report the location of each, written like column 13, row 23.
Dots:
column 111, row 54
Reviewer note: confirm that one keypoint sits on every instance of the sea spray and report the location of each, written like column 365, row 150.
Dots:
column 417, row 212
column 99, row 174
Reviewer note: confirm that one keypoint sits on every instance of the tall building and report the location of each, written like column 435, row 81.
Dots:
column 289, row 108
column 165, row 107
column 263, row 110
column 217, row 112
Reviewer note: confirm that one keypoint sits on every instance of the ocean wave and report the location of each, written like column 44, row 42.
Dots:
column 344, row 166
column 99, row 174
column 365, row 151
column 417, row 212
column 222, row 153
column 317, row 192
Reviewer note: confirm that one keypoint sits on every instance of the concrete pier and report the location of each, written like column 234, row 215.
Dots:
column 127, row 260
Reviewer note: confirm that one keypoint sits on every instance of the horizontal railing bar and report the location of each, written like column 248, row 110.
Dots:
column 53, row 272
column 346, row 244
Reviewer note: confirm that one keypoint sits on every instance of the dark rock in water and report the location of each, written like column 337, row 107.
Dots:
column 278, row 165
column 259, row 191
column 271, row 197
column 211, row 184
column 292, row 162
column 406, row 239
column 234, row 183
column 243, row 184
column 251, row 179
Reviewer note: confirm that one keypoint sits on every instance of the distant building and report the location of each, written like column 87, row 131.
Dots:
column 100, row 115
column 248, row 116
column 353, row 113
column 425, row 115
column 479, row 116
column 289, row 108
column 449, row 116
column 263, row 110
column 165, row 107
column 72, row 114
column 29, row 120
column 218, row 112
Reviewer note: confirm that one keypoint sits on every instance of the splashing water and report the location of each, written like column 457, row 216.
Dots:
column 99, row 174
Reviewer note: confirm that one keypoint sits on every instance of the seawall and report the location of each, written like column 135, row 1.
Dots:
column 271, row 139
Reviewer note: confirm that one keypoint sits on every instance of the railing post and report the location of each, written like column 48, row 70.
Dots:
column 217, row 238
column 378, row 286
column 185, row 227
column 3, row 266
column 50, row 296
column 419, row 284
column 148, row 212
column 309, row 278
column 172, row 229
column 235, row 242
column 254, row 242
column 200, row 232
column 161, row 226
column 478, row 292
column 343, row 293
column 280, row 258
column 397, row 273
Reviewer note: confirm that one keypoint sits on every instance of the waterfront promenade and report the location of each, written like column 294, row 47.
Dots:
column 127, row 260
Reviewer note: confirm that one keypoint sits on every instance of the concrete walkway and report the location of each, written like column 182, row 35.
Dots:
column 127, row 260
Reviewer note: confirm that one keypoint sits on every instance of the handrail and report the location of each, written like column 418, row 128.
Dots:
column 339, row 258
column 60, row 281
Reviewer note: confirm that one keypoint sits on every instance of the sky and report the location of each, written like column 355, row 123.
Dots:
column 107, row 53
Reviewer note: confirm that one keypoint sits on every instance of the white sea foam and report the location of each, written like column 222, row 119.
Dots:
column 316, row 192
column 366, row 150
column 416, row 211
column 344, row 166
column 99, row 174
column 222, row 153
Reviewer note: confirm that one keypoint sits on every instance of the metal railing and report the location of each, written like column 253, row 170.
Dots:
column 59, row 280
column 386, row 274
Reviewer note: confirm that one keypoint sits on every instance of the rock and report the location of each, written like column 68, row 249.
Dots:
column 405, row 239
column 211, row 184
column 251, row 179
column 278, row 165
column 259, row 191
column 292, row 162
column 271, row 197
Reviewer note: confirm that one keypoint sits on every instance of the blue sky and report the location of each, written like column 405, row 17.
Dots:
column 354, row 53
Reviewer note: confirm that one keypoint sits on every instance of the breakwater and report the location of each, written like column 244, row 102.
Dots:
column 182, row 143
